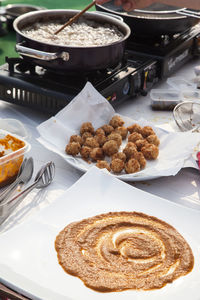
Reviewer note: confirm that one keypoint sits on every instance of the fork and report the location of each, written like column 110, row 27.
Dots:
column 24, row 175
column 43, row 178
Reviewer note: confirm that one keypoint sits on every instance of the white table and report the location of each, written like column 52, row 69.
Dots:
column 183, row 188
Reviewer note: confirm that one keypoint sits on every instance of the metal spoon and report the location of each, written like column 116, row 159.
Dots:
column 43, row 178
column 24, row 175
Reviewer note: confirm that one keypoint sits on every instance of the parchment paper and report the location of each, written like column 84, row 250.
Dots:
column 90, row 106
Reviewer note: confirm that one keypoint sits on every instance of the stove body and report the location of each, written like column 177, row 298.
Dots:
column 144, row 64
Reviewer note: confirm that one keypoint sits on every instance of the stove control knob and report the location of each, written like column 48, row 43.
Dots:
column 135, row 83
column 151, row 75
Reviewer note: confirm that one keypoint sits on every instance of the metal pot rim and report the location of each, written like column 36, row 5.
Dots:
column 9, row 9
column 60, row 11
column 139, row 14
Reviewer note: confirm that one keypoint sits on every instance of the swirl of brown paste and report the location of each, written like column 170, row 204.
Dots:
column 123, row 250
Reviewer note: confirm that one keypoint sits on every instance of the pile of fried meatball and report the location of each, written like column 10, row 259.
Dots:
column 141, row 144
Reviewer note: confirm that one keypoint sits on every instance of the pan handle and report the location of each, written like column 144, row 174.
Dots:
column 47, row 56
column 109, row 14
column 188, row 13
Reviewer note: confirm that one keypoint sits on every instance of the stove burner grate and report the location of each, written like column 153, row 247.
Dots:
column 44, row 89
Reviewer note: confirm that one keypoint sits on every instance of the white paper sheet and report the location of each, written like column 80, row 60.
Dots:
column 90, row 106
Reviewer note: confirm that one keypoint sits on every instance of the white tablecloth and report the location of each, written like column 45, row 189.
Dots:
column 183, row 188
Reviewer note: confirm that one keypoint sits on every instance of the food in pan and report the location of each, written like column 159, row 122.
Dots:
column 126, row 149
column 118, row 251
column 82, row 33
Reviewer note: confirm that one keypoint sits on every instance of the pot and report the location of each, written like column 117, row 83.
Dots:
column 12, row 11
column 52, row 56
column 155, row 20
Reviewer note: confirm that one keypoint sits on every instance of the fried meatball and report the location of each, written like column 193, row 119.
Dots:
column 99, row 131
column 141, row 143
column 107, row 129
column 120, row 155
column 133, row 137
column 73, row 148
column 117, row 165
column 85, row 135
column 110, row 147
column 101, row 139
column 116, row 137
column 130, row 150
column 146, row 131
column 141, row 159
column 91, row 142
column 116, row 121
column 134, row 128
column 76, row 138
column 102, row 164
column 96, row 154
column 85, row 152
column 153, row 139
column 150, row 151
column 123, row 131
column 86, row 127
column 132, row 166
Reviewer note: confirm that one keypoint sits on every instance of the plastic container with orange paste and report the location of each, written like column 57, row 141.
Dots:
column 12, row 151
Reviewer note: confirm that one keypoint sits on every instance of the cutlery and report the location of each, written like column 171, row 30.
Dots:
column 43, row 178
column 24, row 175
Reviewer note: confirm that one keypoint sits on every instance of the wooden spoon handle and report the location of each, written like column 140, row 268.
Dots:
column 74, row 18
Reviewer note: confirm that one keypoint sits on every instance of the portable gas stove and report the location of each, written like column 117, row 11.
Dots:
column 146, row 61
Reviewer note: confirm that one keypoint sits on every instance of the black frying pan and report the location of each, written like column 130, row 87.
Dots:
column 69, row 58
column 154, row 20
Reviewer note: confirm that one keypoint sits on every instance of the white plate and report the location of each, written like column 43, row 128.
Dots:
column 28, row 260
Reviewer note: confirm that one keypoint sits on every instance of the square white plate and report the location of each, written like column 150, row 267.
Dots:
column 28, row 260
